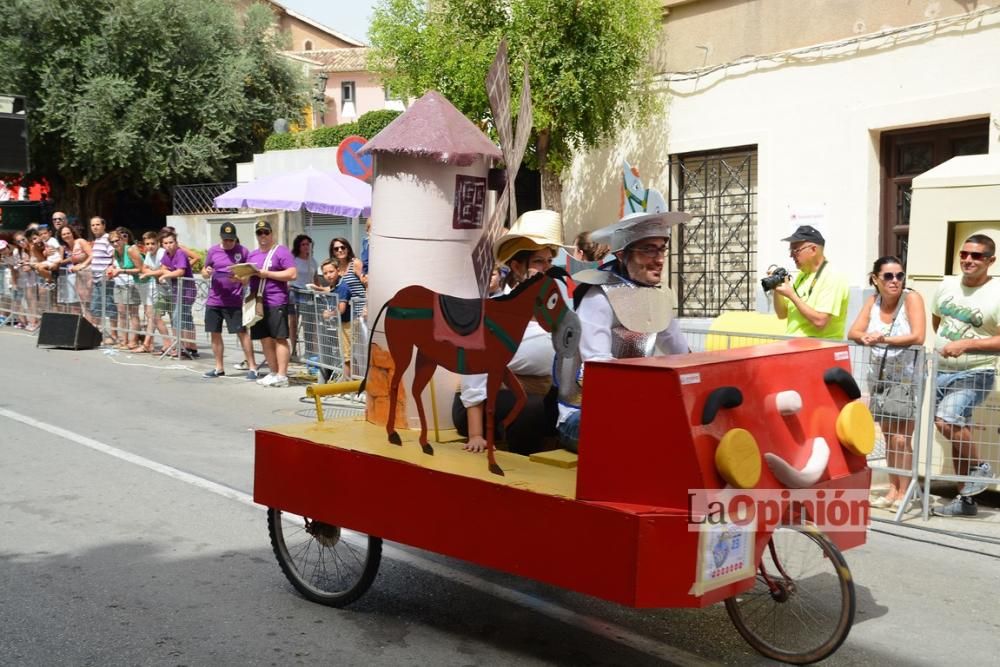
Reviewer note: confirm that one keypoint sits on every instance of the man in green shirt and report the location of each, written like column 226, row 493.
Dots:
column 815, row 302
column 966, row 318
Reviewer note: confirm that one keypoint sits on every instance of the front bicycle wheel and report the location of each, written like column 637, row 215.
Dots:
column 801, row 607
column 325, row 563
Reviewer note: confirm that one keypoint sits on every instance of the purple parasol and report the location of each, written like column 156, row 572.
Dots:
column 316, row 191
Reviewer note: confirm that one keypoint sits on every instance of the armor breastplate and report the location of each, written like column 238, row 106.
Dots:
column 628, row 344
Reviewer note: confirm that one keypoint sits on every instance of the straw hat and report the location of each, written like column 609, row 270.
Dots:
column 534, row 230
column 637, row 226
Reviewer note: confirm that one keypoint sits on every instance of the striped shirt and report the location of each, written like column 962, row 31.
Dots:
column 101, row 257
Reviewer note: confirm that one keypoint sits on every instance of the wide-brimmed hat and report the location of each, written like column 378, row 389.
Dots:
column 534, row 230
column 638, row 226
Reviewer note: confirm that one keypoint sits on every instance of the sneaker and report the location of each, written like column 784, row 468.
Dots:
column 252, row 375
column 267, row 380
column 279, row 381
column 186, row 353
column 244, row 366
column 957, row 507
column 983, row 471
column 214, row 373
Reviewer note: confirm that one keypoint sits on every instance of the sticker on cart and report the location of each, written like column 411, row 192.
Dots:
column 725, row 555
column 690, row 378
column 842, row 355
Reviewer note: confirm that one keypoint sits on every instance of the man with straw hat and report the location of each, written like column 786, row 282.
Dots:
column 526, row 249
column 625, row 311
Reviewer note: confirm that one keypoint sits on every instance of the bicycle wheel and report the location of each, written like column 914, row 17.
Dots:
column 325, row 563
column 801, row 607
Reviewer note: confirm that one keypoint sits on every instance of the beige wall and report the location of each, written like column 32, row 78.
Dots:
column 368, row 95
column 703, row 33
column 301, row 31
column 298, row 30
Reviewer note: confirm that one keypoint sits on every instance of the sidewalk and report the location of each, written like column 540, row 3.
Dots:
column 981, row 532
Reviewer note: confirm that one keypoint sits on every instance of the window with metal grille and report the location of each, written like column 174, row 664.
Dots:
column 713, row 262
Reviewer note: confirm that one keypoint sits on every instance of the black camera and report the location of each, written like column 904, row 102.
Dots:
column 778, row 276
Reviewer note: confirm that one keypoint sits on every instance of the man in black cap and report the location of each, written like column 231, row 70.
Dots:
column 225, row 299
column 815, row 302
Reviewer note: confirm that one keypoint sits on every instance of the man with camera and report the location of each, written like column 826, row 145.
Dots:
column 815, row 302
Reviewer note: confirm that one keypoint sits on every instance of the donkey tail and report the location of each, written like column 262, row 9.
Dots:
column 371, row 337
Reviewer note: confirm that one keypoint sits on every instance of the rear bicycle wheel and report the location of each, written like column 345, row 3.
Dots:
column 801, row 607
column 325, row 563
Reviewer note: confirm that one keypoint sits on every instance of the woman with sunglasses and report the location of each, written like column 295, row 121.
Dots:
column 350, row 286
column 300, row 301
column 889, row 322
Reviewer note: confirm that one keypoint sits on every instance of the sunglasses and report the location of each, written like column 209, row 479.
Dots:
column 976, row 256
column 889, row 275
column 338, row 247
column 263, row 232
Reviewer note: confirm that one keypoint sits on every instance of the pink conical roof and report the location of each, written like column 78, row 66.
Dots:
column 433, row 128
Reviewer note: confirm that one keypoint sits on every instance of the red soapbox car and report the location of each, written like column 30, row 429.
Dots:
column 736, row 476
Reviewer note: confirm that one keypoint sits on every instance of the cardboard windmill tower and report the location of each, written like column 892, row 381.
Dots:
column 430, row 216
column 429, row 207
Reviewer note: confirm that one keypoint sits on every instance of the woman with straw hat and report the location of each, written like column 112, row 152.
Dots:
column 625, row 311
column 527, row 248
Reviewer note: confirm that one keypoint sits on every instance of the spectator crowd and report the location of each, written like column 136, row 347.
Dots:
column 140, row 291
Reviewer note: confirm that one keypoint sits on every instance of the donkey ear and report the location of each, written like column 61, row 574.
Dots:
column 557, row 272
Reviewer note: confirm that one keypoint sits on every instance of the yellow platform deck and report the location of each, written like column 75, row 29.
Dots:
column 357, row 434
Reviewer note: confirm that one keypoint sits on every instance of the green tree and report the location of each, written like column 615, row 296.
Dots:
column 141, row 94
column 588, row 60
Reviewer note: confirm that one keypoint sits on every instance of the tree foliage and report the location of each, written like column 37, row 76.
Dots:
column 367, row 125
column 140, row 94
column 588, row 60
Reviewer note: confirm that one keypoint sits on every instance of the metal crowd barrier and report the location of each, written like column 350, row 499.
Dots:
column 124, row 309
column 905, row 430
column 963, row 393
column 338, row 350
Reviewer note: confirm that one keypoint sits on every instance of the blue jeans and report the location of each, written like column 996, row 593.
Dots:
column 102, row 301
column 958, row 393
column 569, row 431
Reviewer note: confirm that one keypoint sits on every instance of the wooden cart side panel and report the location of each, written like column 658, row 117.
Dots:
column 571, row 544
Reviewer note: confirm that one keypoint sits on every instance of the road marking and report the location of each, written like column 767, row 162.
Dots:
column 593, row 625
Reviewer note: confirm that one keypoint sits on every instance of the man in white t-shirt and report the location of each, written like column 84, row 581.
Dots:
column 966, row 318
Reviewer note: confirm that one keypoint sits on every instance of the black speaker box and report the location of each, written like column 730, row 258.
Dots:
column 68, row 331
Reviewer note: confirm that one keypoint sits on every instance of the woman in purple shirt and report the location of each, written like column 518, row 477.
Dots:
column 276, row 268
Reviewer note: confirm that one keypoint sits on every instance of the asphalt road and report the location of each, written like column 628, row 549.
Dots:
column 128, row 537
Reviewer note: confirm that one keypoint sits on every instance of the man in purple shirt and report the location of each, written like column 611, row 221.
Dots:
column 225, row 299
column 276, row 267
column 176, row 272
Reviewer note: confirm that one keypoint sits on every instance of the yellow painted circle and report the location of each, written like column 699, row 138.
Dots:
column 737, row 458
column 856, row 428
